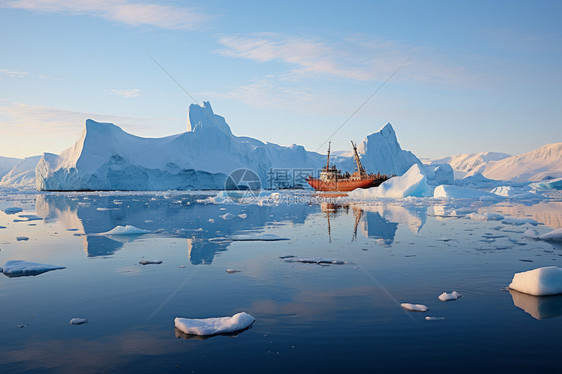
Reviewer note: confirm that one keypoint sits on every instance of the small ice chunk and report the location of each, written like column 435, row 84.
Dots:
column 78, row 321
column 227, row 216
column 18, row 268
column 531, row 233
column 148, row 262
column 232, row 271
column 434, row 318
column 316, row 260
column 555, row 235
column 257, row 237
column 211, row 220
column 243, row 215
column 539, row 282
column 485, row 216
column 214, row 326
column 125, row 230
column 414, row 307
column 13, row 210
column 449, row 296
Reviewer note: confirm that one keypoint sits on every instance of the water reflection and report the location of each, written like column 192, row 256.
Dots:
column 539, row 307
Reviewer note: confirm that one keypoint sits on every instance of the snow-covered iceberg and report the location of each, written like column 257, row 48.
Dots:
column 125, row 230
column 22, row 174
column 108, row 158
column 539, row 282
column 214, row 326
column 412, row 183
column 18, row 268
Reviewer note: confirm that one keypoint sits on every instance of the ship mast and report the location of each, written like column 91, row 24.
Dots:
column 328, row 161
column 360, row 167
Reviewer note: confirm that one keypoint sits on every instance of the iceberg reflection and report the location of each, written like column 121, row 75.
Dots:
column 539, row 307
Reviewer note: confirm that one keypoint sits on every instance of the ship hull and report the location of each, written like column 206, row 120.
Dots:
column 344, row 184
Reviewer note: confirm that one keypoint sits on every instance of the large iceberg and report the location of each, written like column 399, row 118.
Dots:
column 107, row 158
column 539, row 282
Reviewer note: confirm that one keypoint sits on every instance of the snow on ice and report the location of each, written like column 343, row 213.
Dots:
column 414, row 307
column 449, row 296
column 539, row 282
column 18, row 268
column 214, row 326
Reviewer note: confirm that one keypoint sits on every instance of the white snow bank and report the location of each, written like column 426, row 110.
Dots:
column 214, row 326
column 125, row 230
column 485, row 216
column 412, row 183
column 78, row 321
column 12, row 210
column 449, row 296
column 456, row 192
column 18, row 268
column 257, row 237
column 539, row 282
column 554, row 235
column 414, row 307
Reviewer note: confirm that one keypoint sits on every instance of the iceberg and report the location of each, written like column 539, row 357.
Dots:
column 18, row 268
column 412, row 183
column 125, row 230
column 214, row 326
column 22, row 174
column 549, row 184
column 449, row 296
column 539, row 282
column 414, row 307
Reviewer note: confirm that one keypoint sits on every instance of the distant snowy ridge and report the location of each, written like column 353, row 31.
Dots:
column 464, row 164
column 22, row 174
column 107, row 158
column 6, row 164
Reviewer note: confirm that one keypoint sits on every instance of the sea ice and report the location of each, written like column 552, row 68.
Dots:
column 13, row 210
column 531, row 233
column 456, row 192
column 413, row 183
column 485, row 216
column 539, row 282
column 315, row 260
column 227, row 216
column 18, row 268
column 232, row 271
column 148, row 262
column 78, row 321
column 125, row 230
column 449, row 296
column 519, row 221
column 434, row 318
column 414, row 307
column 214, row 326
column 554, row 235
column 257, row 237
column 243, row 215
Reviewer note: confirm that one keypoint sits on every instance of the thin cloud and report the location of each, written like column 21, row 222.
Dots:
column 134, row 92
column 358, row 58
column 124, row 11
column 15, row 74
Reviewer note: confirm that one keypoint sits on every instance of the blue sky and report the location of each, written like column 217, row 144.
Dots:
column 482, row 76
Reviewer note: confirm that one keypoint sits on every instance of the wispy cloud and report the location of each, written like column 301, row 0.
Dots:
column 360, row 58
column 134, row 92
column 14, row 73
column 124, row 11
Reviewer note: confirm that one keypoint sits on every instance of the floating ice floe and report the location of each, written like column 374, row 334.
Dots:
column 78, row 321
column 13, row 210
column 434, row 318
column 243, row 216
column 414, row 307
column 257, row 237
column 18, row 268
column 214, row 326
column 413, row 183
column 518, row 221
column 449, row 296
column 125, row 230
column 554, row 235
column 515, row 192
column 232, row 271
column 148, row 262
column 314, row 260
column 455, row 192
column 539, row 282
column 485, row 216
column 227, row 216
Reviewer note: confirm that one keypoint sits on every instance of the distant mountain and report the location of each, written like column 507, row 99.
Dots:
column 468, row 164
column 542, row 163
column 107, row 158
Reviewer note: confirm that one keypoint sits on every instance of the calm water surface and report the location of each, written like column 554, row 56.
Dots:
column 309, row 318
